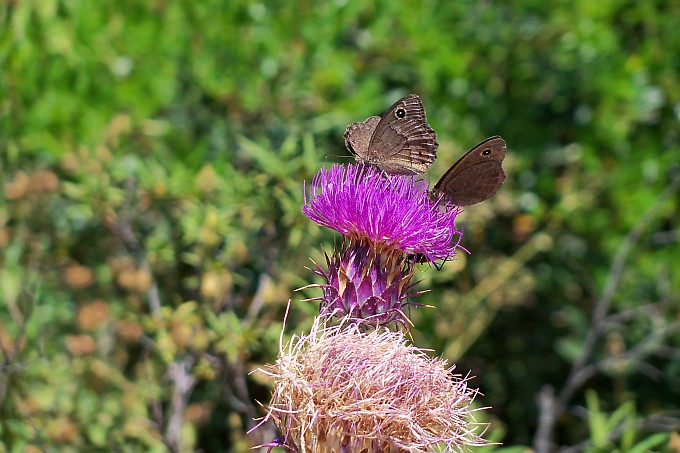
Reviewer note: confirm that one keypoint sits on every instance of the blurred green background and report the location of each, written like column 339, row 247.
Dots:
column 152, row 156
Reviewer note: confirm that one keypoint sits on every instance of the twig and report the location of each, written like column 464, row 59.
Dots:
column 236, row 389
column 630, row 314
column 183, row 381
column 123, row 230
column 258, row 299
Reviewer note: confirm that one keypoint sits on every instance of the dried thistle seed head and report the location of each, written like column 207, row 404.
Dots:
column 341, row 389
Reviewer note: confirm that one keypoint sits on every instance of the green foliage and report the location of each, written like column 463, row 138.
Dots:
column 620, row 424
column 152, row 156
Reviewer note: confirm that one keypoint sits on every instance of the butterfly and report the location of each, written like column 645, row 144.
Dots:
column 474, row 178
column 398, row 142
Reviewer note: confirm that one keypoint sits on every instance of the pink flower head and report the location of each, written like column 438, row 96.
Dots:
column 386, row 221
column 392, row 211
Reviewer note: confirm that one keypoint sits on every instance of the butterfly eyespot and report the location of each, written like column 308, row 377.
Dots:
column 486, row 152
column 400, row 113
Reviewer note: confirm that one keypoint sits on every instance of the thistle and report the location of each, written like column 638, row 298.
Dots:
column 340, row 389
column 355, row 385
column 385, row 221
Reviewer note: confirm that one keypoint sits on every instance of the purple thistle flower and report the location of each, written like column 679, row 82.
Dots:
column 386, row 221
column 387, row 210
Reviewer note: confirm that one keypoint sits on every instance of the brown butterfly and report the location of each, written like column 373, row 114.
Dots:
column 474, row 177
column 399, row 142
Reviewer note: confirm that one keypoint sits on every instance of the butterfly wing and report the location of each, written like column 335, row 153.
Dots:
column 358, row 137
column 403, row 142
column 476, row 176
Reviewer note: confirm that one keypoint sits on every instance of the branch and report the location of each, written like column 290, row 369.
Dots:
column 123, row 230
column 551, row 407
column 183, row 381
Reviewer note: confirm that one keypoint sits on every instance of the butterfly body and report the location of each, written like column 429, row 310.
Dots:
column 398, row 142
